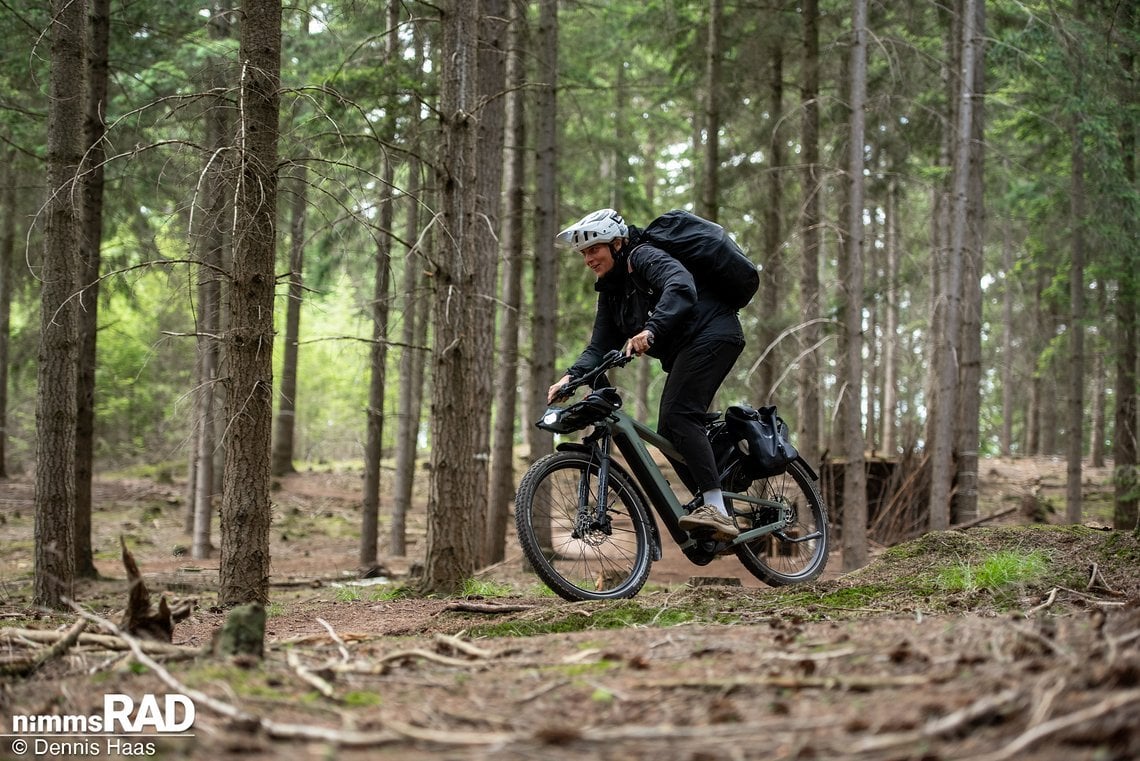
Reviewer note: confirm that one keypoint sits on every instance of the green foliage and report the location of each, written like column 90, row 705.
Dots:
column 486, row 588
column 996, row 572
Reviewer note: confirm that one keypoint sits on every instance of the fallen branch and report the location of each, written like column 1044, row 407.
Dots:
column 476, row 607
column 1051, row 599
column 984, row 519
column 306, row 675
column 65, row 642
column 857, row 683
column 102, row 641
column 971, row 714
column 461, row 646
column 344, row 655
column 1041, row 731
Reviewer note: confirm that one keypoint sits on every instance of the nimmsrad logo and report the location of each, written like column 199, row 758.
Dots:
column 120, row 714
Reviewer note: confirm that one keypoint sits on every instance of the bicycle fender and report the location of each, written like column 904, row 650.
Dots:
column 655, row 550
column 808, row 468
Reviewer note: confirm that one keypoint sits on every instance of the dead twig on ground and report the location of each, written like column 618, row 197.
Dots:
column 477, row 607
column 102, row 641
column 854, row 683
column 1041, row 731
column 1048, row 602
column 30, row 665
column 984, row 519
column 344, row 654
column 971, row 714
column 308, row 676
column 462, row 646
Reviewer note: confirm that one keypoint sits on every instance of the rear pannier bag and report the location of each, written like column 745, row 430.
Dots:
column 761, row 437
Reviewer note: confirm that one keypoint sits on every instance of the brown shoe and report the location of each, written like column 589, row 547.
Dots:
column 708, row 517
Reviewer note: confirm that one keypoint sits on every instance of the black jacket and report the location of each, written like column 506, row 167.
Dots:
column 649, row 289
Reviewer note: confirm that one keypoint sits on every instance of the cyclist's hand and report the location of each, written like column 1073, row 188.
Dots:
column 557, row 390
column 639, row 344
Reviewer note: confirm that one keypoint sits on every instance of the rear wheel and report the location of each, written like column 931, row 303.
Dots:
column 579, row 557
column 797, row 552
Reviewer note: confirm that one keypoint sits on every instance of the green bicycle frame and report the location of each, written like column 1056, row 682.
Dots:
column 630, row 437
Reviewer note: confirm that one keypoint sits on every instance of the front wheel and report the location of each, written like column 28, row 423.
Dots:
column 578, row 556
column 797, row 552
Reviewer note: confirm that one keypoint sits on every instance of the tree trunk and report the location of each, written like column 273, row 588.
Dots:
column 942, row 439
column 244, row 572
column 284, row 432
column 544, row 304
column 507, row 357
column 1007, row 358
column 7, row 248
column 56, row 383
column 710, row 182
column 411, row 374
column 91, row 239
column 460, row 396
column 970, row 370
column 1074, row 424
column 854, row 473
column 217, row 216
column 1126, row 441
column 811, row 182
column 413, row 337
column 378, row 355
column 888, row 420
column 772, row 273
column 493, row 17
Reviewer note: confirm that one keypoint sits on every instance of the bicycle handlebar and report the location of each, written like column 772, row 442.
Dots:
column 612, row 358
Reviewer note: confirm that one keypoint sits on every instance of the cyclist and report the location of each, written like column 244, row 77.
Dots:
column 648, row 303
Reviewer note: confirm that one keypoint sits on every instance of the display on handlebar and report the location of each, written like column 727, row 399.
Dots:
column 594, row 407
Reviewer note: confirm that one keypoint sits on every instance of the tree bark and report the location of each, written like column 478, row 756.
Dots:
column 1074, row 425
column 811, row 183
column 544, row 304
column 970, row 370
column 772, row 273
column 378, row 355
column 285, row 431
column 507, row 357
column 56, row 382
column 7, row 248
column 413, row 336
column 217, row 215
column 1126, row 441
column 244, row 572
column 1007, row 357
column 458, row 488
column 889, row 420
column 854, row 473
column 91, row 239
column 942, row 439
column 710, row 182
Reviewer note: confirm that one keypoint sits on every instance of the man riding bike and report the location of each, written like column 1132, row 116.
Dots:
column 648, row 303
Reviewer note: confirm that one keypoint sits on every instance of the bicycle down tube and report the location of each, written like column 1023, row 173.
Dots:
column 630, row 437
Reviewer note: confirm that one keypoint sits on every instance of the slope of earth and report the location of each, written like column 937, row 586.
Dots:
column 1000, row 642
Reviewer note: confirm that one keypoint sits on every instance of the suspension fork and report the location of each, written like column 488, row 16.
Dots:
column 600, row 449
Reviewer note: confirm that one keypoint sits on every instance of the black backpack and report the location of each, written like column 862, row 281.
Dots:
column 709, row 253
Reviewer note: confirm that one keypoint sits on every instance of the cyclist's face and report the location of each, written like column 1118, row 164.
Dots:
column 599, row 258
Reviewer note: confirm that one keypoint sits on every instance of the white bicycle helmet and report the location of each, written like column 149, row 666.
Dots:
column 601, row 226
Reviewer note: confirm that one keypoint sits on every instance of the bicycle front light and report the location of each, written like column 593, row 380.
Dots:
column 552, row 416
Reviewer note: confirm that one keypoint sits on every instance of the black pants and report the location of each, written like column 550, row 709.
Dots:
column 697, row 373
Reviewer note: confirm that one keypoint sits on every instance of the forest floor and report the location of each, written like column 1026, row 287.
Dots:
column 1008, row 640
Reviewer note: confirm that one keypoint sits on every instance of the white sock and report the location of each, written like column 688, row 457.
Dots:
column 715, row 498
